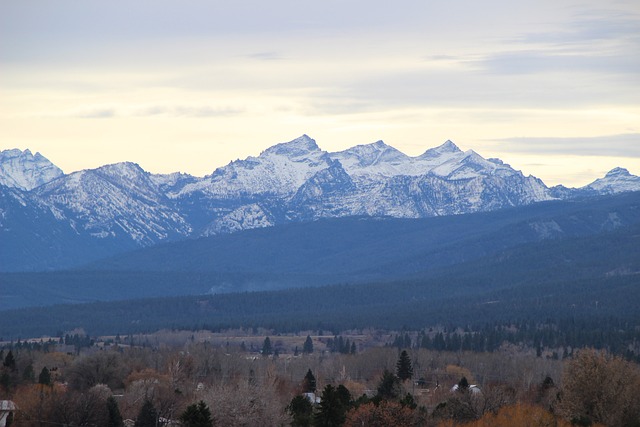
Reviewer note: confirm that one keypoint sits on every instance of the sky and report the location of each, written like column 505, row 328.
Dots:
column 550, row 87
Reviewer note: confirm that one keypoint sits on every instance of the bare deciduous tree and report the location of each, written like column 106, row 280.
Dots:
column 601, row 388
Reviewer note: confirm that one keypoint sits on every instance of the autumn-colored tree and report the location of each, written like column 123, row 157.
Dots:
column 34, row 401
column 601, row 388
column 385, row 414
column 58, row 405
column 104, row 367
column 521, row 415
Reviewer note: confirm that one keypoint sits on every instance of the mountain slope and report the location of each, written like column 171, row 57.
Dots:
column 499, row 288
column 25, row 171
column 114, row 201
column 617, row 180
column 117, row 208
column 359, row 249
column 31, row 235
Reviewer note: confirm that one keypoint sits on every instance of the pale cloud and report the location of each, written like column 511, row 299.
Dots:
column 624, row 145
column 165, row 111
column 211, row 81
column 185, row 111
column 266, row 56
column 99, row 113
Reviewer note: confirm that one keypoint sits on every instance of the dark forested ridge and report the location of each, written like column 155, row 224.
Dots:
column 381, row 248
column 536, row 244
column 558, row 276
column 558, row 281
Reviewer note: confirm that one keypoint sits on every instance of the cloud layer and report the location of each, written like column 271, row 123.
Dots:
column 530, row 77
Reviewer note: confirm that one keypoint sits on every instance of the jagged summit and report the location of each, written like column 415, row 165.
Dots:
column 121, row 206
column 367, row 155
column 617, row 180
column 447, row 148
column 617, row 172
column 280, row 169
column 295, row 148
column 25, row 171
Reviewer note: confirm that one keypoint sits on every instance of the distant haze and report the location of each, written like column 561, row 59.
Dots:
column 552, row 88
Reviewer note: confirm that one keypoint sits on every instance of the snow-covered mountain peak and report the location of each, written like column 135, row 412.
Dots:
column 122, row 169
column 468, row 165
column 617, row 180
column 448, row 146
column 446, row 149
column 377, row 158
column 280, row 170
column 618, row 172
column 298, row 147
column 23, row 170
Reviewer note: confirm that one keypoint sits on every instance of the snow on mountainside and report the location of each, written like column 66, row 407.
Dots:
column 383, row 160
column 279, row 170
column 617, row 180
column 23, row 170
column 114, row 201
column 121, row 206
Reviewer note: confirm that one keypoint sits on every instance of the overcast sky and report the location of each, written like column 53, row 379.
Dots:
column 550, row 87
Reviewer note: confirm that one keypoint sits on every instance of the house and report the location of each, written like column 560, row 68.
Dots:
column 7, row 408
column 474, row 389
column 312, row 397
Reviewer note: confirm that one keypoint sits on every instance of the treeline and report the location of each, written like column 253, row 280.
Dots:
column 557, row 340
column 599, row 312
column 200, row 384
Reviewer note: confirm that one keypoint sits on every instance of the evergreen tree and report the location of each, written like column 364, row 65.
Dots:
column 148, row 416
column 9, row 361
column 463, row 385
column 344, row 395
column 28, row 374
column 114, row 418
column 389, row 387
column 331, row 412
column 308, row 345
column 309, row 383
column 404, row 370
column 266, row 347
column 197, row 415
column 44, row 377
column 5, row 380
column 301, row 410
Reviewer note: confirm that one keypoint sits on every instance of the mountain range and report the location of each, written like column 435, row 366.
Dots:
column 51, row 221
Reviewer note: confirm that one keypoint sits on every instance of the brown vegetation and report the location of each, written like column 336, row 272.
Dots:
column 245, row 388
